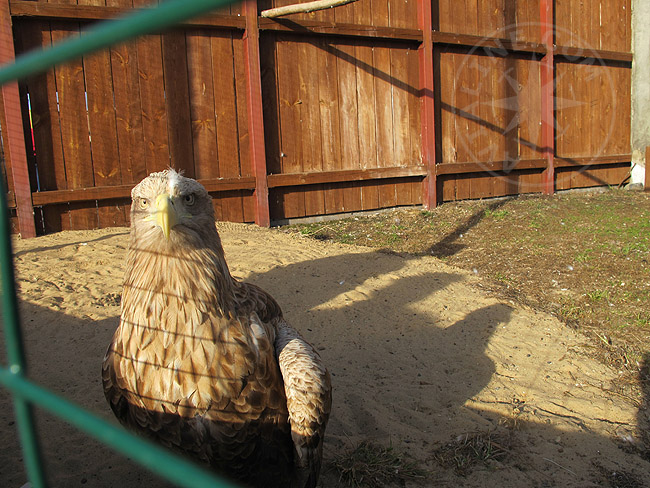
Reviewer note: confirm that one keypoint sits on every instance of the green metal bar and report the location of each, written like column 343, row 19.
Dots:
column 157, row 459
column 14, row 344
column 107, row 33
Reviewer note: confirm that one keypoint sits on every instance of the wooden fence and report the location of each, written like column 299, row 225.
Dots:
column 375, row 104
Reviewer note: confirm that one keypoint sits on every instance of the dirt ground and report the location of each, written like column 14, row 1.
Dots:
column 422, row 358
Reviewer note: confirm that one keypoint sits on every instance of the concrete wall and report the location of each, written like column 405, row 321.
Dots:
column 640, row 87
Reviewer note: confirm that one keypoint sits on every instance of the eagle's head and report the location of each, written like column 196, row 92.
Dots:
column 169, row 206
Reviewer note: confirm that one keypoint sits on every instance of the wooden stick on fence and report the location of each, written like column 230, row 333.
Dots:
column 303, row 8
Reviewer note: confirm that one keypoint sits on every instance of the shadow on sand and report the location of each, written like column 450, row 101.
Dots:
column 406, row 383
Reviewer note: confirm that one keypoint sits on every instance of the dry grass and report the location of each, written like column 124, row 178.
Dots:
column 468, row 450
column 374, row 466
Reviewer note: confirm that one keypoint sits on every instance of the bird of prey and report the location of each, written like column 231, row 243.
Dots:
column 206, row 364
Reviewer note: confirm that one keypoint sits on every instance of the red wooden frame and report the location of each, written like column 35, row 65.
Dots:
column 255, row 114
column 429, row 196
column 16, row 156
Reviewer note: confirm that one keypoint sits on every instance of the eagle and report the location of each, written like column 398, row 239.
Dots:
column 206, row 364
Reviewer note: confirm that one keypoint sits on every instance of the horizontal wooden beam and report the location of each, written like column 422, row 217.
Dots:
column 325, row 177
column 575, row 53
column 528, row 164
column 40, row 198
column 339, row 29
column 491, row 166
column 22, row 8
column 566, row 162
column 493, row 43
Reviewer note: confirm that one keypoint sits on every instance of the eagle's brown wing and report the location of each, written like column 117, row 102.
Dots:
column 307, row 386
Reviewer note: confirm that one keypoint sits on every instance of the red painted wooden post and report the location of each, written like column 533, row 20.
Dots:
column 547, row 80
column 16, row 157
column 255, row 114
column 429, row 198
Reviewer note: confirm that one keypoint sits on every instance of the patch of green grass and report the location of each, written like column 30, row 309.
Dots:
column 584, row 255
column 499, row 214
column 598, row 295
column 374, row 466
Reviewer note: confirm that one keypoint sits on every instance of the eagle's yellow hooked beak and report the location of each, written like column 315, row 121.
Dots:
column 165, row 214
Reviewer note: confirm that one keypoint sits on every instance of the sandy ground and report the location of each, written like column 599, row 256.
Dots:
column 419, row 355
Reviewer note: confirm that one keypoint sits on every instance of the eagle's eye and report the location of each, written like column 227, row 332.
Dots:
column 144, row 203
column 189, row 199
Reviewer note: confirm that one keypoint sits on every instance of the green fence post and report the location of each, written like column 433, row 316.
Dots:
column 14, row 344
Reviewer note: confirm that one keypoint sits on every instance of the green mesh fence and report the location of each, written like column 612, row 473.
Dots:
column 26, row 393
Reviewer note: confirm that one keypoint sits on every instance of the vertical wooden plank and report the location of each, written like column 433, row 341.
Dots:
column 310, row 133
column 255, row 114
column 202, row 102
column 152, row 100
column 241, row 95
column 225, row 105
column 12, row 131
column 74, row 128
column 128, row 111
column 46, row 127
column 103, row 129
column 547, row 79
column 329, row 122
column 348, row 122
column 271, row 103
column 292, row 202
column 367, row 121
column 384, row 129
column 447, row 109
column 174, row 56
column 399, row 60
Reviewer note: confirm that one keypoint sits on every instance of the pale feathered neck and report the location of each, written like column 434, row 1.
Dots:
column 193, row 270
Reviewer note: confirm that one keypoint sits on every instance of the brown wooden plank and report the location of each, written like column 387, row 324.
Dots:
column 225, row 105
column 152, row 100
column 292, row 203
column 384, row 129
column 329, row 122
column 562, row 30
column 402, row 155
column 118, row 192
column 245, row 163
column 126, row 95
column 310, row 130
column 367, row 123
column 74, row 128
column 174, row 56
column 271, row 103
column 253, row 78
column 499, row 43
column 46, row 126
column 103, row 128
column 202, row 102
column 113, row 9
column 413, row 102
column 348, row 121
column 14, row 156
column 297, row 179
